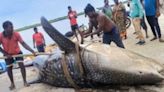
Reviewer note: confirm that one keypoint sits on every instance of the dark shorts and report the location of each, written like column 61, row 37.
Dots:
column 114, row 36
column 74, row 27
column 13, row 60
column 41, row 48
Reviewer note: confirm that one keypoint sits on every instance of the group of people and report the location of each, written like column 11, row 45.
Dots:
column 111, row 22
column 9, row 40
column 115, row 19
column 150, row 9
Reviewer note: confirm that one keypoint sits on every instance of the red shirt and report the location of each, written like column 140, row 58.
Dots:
column 38, row 37
column 11, row 45
column 72, row 16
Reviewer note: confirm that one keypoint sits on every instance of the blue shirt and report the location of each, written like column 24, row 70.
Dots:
column 150, row 7
column 136, row 9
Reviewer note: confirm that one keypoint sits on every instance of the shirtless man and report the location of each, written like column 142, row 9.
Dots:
column 106, row 25
column 93, row 24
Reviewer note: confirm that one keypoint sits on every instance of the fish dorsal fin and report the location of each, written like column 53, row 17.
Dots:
column 64, row 43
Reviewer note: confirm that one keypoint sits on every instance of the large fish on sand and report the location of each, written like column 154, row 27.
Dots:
column 94, row 65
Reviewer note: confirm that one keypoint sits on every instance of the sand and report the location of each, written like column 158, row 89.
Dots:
column 153, row 49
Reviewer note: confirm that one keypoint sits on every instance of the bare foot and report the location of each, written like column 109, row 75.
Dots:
column 126, row 37
column 137, row 37
column 12, row 87
column 153, row 39
column 26, row 84
column 82, row 42
column 161, row 40
column 135, row 33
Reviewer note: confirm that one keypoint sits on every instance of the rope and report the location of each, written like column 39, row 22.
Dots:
column 79, row 63
column 10, row 65
column 86, row 47
column 66, row 72
column 25, row 55
column 79, row 59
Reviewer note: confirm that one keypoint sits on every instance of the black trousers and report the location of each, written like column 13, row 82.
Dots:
column 153, row 22
column 114, row 36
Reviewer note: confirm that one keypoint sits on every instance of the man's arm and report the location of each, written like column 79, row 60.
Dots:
column 33, row 42
column 68, row 16
column 4, row 52
column 89, row 30
column 157, row 8
column 27, row 47
column 1, row 50
column 20, row 40
column 101, row 21
column 157, row 4
column 75, row 14
column 44, row 40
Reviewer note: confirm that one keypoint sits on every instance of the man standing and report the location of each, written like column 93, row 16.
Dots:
column 106, row 25
column 9, row 40
column 38, row 40
column 72, row 17
column 119, row 17
column 136, row 13
column 107, row 10
column 152, row 14
column 143, row 23
column 93, row 24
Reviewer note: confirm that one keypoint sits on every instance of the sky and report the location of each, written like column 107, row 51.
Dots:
column 26, row 12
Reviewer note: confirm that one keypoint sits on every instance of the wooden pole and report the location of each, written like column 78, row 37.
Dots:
column 25, row 55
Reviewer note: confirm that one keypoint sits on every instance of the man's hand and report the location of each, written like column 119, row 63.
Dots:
column 8, row 56
column 44, row 44
column 34, row 53
column 158, row 13
column 85, row 36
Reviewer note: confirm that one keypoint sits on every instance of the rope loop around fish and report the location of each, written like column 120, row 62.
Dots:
column 79, row 60
column 66, row 72
column 79, row 63
column 65, row 67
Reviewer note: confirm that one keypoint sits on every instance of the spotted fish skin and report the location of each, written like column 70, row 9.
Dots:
column 51, row 72
column 112, row 65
